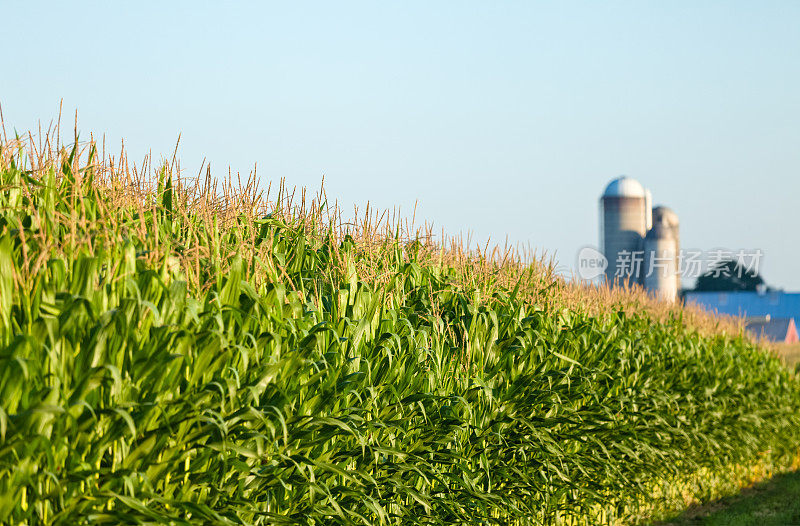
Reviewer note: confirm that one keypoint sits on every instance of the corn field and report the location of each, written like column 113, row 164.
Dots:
column 177, row 353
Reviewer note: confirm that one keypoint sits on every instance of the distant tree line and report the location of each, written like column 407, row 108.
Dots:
column 729, row 276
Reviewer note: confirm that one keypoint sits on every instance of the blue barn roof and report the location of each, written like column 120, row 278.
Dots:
column 777, row 304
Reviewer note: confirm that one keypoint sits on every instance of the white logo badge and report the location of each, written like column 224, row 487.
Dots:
column 591, row 263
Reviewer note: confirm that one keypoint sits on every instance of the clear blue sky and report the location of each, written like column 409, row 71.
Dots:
column 501, row 119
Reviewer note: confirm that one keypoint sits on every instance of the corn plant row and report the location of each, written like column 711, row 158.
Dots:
column 132, row 392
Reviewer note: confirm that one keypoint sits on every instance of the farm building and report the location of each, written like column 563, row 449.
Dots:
column 777, row 304
column 770, row 314
column 783, row 330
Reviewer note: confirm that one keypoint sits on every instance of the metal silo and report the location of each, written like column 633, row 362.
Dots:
column 623, row 224
column 660, row 270
column 669, row 221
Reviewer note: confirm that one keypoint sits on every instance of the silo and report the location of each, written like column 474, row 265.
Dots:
column 661, row 261
column 669, row 218
column 623, row 223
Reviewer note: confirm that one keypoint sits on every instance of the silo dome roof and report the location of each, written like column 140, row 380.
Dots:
column 663, row 214
column 624, row 187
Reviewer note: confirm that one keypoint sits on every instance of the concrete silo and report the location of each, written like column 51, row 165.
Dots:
column 662, row 254
column 623, row 224
column 670, row 219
